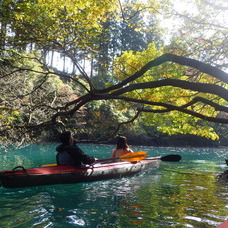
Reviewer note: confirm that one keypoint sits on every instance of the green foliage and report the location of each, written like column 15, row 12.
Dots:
column 115, row 41
column 64, row 23
column 173, row 122
column 29, row 97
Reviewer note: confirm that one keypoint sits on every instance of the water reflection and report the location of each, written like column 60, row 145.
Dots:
column 184, row 194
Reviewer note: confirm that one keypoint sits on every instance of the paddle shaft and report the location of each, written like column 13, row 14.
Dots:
column 134, row 156
column 140, row 156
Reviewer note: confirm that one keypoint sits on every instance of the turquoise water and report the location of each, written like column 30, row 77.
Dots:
column 182, row 194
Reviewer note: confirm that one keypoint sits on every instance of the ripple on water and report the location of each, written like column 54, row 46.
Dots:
column 183, row 194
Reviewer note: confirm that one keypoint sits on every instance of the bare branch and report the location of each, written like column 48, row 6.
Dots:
column 65, row 75
column 201, row 22
column 167, row 107
column 81, row 70
column 126, row 122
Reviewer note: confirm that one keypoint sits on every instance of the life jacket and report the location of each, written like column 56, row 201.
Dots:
column 64, row 158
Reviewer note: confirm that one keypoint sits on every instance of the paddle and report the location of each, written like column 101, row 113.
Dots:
column 171, row 158
column 135, row 156
column 49, row 165
column 167, row 158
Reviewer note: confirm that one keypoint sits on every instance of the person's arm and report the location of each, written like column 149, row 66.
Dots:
column 86, row 159
column 78, row 154
column 113, row 154
column 130, row 150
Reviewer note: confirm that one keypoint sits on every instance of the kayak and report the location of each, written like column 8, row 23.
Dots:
column 20, row 177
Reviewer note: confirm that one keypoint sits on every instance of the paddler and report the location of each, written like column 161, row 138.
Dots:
column 122, row 147
column 70, row 154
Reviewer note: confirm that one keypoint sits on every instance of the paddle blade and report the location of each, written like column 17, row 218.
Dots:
column 49, row 165
column 135, row 156
column 171, row 158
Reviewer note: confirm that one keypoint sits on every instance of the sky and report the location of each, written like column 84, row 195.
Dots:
column 186, row 7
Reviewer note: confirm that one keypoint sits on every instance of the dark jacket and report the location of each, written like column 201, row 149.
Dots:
column 71, row 154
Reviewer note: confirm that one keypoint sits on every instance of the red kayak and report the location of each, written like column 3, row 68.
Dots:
column 21, row 177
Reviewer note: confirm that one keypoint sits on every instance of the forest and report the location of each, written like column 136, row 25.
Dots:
column 155, row 71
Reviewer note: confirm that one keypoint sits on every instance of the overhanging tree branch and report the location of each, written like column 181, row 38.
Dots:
column 194, row 86
column 185, row 61
column 216, row 106
column 118, row 91
column 115, row 92
column 167, row 107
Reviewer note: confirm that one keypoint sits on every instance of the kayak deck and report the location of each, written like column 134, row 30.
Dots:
column 21, row 177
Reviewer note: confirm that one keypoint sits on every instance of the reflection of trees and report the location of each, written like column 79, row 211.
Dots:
column 222, row 179
column 176, row 199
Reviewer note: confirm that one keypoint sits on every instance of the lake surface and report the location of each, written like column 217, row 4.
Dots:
column 182, row 194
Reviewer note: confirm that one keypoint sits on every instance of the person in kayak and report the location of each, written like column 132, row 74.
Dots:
column 70, row 154
column 122, row 147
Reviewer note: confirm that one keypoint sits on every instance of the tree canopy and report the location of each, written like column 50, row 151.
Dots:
column 114, row 54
